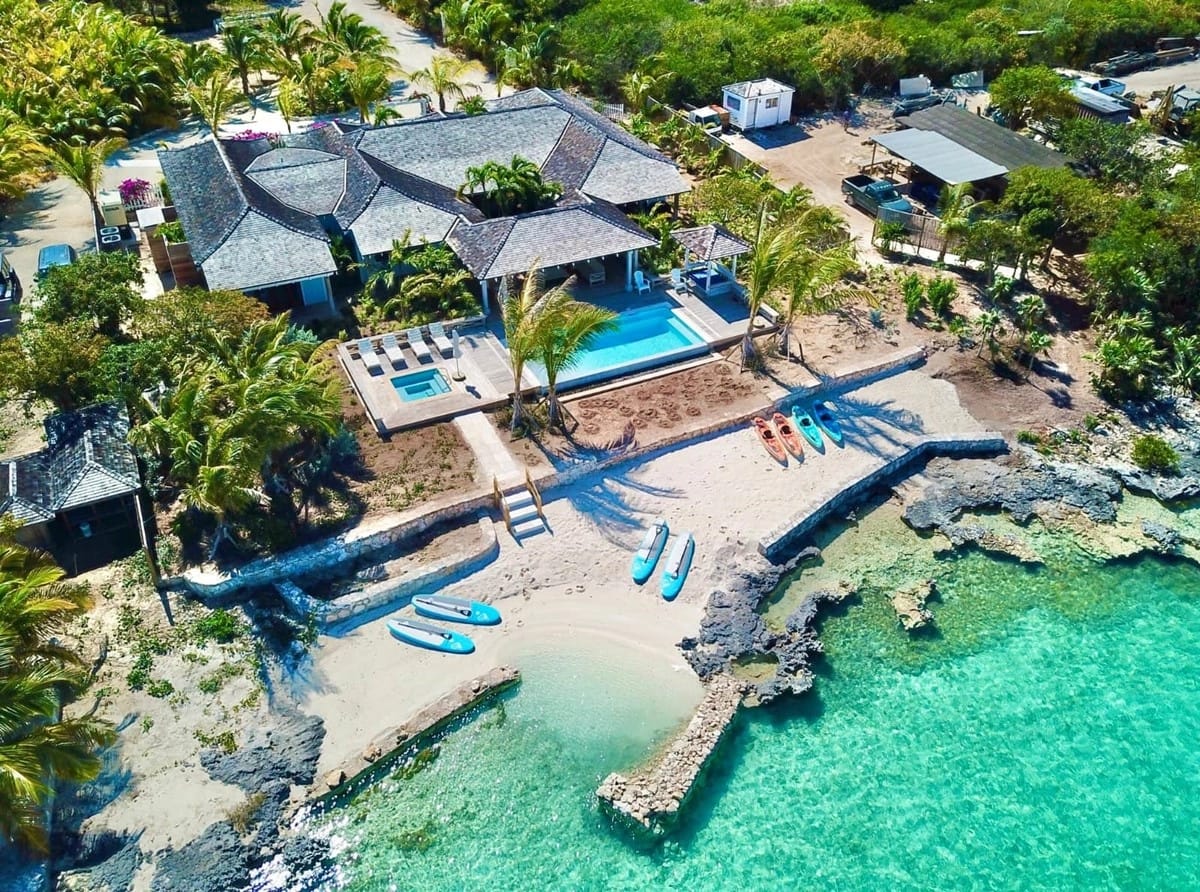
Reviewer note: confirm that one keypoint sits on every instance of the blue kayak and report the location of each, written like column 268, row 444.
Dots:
column 823, row 412
column 429, row 636
column 651, row 549
column 456, row 610
column 808, row 427
column 675, row 571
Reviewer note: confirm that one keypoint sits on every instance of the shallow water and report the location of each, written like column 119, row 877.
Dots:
column 1044, row 737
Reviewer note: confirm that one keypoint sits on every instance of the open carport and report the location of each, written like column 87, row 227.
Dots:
column 939, row 157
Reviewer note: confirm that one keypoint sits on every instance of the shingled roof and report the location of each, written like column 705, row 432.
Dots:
column 259, row 212
column 553, row 237
column 86, row 460
column 711, row 242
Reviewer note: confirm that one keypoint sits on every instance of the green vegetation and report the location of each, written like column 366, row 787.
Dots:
column 226, row 431
column 1152, row 453
column 418, row 285
column 549, row 326
column 686, row 51
column 1034, row 93
column 39, row 747
column 501, row 191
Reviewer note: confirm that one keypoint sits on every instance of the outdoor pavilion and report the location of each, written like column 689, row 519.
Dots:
column 703, row 249
column 938, row 156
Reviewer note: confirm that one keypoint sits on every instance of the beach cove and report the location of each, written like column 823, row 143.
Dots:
column 1039, row 739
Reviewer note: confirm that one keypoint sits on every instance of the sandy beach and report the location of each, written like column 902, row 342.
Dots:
column 572, row 586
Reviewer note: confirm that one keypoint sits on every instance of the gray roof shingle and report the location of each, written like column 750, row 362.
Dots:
column 711, row 242
column 86, row 460
column 552, row 237
column 250, row 208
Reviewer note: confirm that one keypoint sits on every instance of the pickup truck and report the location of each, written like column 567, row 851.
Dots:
column 871, row 195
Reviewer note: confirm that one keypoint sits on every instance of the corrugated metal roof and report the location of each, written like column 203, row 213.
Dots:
column 984, row 137
column 939, row 156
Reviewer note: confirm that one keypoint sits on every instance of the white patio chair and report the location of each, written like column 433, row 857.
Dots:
column 416, row 343
column 639, row 279
column 366, row 352
column 677, row 278
column 391, row 349
column 437, row 334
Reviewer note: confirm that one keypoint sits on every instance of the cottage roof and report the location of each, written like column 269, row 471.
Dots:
column 256, row 212
column 711, row 242
column 553, row 237
column 86, row 460
column 765, row 86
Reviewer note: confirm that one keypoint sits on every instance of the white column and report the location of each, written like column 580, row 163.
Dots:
column 629, row 270
column 483, row 290
column 735, row 267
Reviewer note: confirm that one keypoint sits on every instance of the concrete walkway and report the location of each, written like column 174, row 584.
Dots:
column 492, row 457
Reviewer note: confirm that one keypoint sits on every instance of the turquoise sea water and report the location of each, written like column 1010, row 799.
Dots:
column 1044, row 738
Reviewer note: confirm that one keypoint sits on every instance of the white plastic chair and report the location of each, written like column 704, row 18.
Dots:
column 677, row 278
column 639, row 279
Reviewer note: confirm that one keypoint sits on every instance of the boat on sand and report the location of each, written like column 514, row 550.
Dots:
column 787, row 433
column 808, row 427
column 675, row 570
column 456, row 610
column 651, row 549
column 770, row 440
column 823, row 412
column 429, row 636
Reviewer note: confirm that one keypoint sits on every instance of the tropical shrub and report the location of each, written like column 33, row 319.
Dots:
column 1152, row 453
column 940, row 292
column 913, row 289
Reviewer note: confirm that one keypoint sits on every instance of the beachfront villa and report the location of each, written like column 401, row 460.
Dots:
column 260, row 214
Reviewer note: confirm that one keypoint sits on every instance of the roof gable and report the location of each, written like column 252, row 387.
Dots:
column 315, row 185
column 261, row 252
column 621, row 176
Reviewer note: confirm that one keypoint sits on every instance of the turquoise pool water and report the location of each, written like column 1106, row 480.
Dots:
column 421, row 385
column 1044, row 739
column 645, row 337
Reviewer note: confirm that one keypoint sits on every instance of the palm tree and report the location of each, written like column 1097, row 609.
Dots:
column 638, row 86
column 347, row 34
column 521, row 334
column 211, row 100
column 38, row 747
column 290, row 99
column 367, row 83
column 955, row 207
column 246, row 50
column 989, row 324
column 771, row 265
column 819, row 286
column 1037, row 343
column 289, row 33
column 241, row 400
column 444, row 77
column 196, row 63
column 18, row 154
column 509, row 189
column 565, row 329
column 83, row 164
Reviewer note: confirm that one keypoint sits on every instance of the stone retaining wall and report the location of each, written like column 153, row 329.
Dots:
column 787, row 535
column 215, row 587
column 387, row 591
column 653, row 797
column 378, row 754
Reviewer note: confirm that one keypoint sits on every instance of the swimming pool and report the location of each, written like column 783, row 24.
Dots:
column 645, row 337
column 421, row 385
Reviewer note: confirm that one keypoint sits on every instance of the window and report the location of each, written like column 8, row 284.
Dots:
column 773, row 102
column 733, row 103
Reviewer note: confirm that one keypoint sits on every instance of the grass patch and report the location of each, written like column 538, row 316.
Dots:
column 242, row 816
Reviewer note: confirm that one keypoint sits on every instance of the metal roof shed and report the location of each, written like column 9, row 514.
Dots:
column 939, row 156
column 984, row 137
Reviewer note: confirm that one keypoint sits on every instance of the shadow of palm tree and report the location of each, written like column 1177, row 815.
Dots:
column 610, row 505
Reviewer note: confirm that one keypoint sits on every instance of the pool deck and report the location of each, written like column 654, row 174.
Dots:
column 487, row 383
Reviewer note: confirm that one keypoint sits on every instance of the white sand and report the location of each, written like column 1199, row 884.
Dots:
column 557, row 591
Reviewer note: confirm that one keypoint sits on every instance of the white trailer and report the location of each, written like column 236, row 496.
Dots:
column 756, row 104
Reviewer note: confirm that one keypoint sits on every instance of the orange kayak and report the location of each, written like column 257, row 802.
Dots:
column 788, row 434
column 769, row 440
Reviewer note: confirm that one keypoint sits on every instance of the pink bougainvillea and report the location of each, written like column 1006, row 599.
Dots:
column 135, row 191
column 249, row 135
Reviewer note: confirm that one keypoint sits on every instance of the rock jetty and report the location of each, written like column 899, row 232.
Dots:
column 652, row 798
column 910, row 605
column 436, row 715
column 990, row 542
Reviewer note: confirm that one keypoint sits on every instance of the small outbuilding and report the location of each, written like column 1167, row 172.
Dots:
column 756, row 104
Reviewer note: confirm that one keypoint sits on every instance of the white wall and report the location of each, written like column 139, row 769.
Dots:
column 759, row 111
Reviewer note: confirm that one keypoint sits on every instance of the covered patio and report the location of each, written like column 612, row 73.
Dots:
column 704, row 247
column 582, row 240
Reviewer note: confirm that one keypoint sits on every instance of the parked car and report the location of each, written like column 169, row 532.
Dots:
column 52, row 256
column 872, row 195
